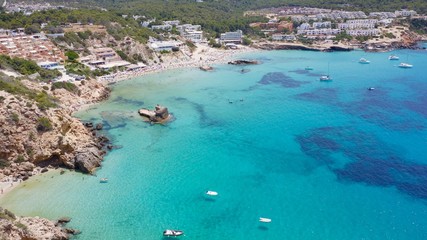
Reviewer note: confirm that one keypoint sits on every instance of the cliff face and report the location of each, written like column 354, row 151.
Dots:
column 30, row 136
column 12, row 227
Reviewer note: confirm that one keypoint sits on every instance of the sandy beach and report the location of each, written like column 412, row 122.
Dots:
column 202, row 56
column 8, row 183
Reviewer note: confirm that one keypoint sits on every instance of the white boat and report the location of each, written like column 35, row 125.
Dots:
column 393, row 57
column 264, row 220
column 172, row 233
column 325, row 78
column 211, row 193
column 371, row 88
column 103, row 180
column 405, row 65
column 364, row 61
column 308, row 68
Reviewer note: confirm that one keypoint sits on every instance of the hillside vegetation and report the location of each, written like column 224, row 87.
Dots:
column 166, row 6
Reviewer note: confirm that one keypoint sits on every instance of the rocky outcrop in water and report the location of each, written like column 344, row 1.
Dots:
column 206, row 68
column 243, row 62
column 159, row 115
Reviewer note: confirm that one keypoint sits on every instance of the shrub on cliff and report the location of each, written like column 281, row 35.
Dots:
column 78, row 68
column 246, row 41
column 44, row 101
column 43, row 124
column 67, row 86
column 47, row 74
column 3, row 163
column 25, row 67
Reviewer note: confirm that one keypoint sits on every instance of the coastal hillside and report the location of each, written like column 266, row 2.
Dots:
column 165, row 6
column 37, row 129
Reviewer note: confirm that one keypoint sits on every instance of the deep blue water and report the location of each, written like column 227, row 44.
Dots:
column 323, row 160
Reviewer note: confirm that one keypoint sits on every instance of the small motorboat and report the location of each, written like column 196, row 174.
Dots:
column 212, row 193
column 172, row 233
column 325, row 78
column 405, row 65
column 371, row 88
column 393, row 57
column 264, row 220
column 103, row 180
column 364, row 61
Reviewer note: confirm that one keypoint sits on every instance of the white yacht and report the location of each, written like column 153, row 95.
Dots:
column 405, row 65
column 264, row 220
column 393, row 57
column 211, row 193
column 172, row 233
column 364, row 61
column 325, row 78
column 103, row 180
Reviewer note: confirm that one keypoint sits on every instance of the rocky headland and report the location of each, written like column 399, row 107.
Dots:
column 35, row 138
column 32, row 137
column 14, row 227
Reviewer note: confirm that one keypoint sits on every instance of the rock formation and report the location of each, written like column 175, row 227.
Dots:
column 13, row 227
column 159, row 115
column 31, row 136
column 206, row 68
column 243, row 62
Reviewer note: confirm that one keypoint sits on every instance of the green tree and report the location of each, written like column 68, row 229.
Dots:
column 72, row 55
column 33, row 28
column 246, row 41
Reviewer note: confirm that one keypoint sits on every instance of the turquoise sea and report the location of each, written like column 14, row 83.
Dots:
column 323, row 160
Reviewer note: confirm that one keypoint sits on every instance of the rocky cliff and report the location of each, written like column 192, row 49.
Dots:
column 30, row 228
column 33, row 137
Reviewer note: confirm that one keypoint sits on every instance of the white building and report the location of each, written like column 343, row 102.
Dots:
column 405, row 13
column 194, row 36
column 172, row 22
column 234, row 37
column 363, row 32
column 304, row 26
column 50, row 65
column 386, row 21
column 382, row 15
column 188, row 27
column 318, row 32
column 147, row 23
column 283, row 37
column 322, row 24
column 352, row 26
column 165, row 45
column 191, row 32
column 164, row 27
column 363, row 21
